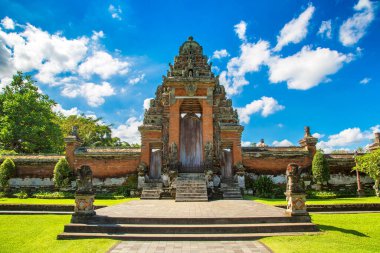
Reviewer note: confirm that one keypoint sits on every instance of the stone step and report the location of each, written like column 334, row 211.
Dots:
column 190, row 229
column 176, row 221
column 177, row 237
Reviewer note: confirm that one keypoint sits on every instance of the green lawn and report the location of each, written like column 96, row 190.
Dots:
column 318, row 201
column 342, row 233
column 100, row 202
column 37, row 233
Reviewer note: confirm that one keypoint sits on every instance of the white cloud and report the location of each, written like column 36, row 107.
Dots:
column 147, row 103
column 348, row 139
column 97, row 35
column 240, row 30
column 8, row 23
column 295, row 30
column 318, row 135
column 104, row 65
column 266, row 106
column 283, row 143
column 72, row 111
column 306, row 68
column 246, row 143
column 325, row 29
column 365, row 80
column 115, row 12
column 280, row 125
column 252, row 56
column 129, row 131
column 354, row 28
column 137, row 79
column 219, row 54
column 93, row 93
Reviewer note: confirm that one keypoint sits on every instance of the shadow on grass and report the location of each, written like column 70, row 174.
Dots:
column 342, row 230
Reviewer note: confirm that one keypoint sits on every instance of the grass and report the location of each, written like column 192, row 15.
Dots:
column 37, row 233
column 99, row 202
column 364, row 200
column 342, row 233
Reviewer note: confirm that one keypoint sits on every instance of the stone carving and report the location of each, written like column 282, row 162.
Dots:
column 74, row 131
column 208, row 156
column 295, row 194
column 142, row 169
column 174, row 163
column 307, row 131
column 293, row 178
column 239, row 168
column 84, row 180
column 191, row 89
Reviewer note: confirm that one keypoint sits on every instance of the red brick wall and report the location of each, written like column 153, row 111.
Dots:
column 37, row 170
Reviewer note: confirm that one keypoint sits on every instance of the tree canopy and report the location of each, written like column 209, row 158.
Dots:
column 27, row 122
column 320, row 169
column 369, row 164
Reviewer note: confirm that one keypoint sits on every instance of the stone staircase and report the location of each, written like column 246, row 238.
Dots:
column 230, row 189
column 151, row 190
column 177, row 229
column 191, row 187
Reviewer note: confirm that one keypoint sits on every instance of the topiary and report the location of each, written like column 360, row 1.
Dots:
column 62, row 173
column 7, row 170
column 320, row 169
column 263, row 187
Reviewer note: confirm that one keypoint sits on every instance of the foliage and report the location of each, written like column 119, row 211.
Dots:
column 116, row 195
column 321, row 195
column 62, row 173
column 22, row 194
column 337, row 201
column 248, row 182
column 53, row 195
column 27, row 122
column 7, row 170
column 320, row 168
column 37, row 201
column 131, row 182
column 369, row 164
column 7, row 152
column 263, row 186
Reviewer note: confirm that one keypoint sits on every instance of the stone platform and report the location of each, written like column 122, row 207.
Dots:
column 169, row 220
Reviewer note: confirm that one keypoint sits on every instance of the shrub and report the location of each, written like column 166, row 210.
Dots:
column 248, row 182
column 263, row 186
column 21, row 194
column 7, row 152
column 320, row 168
column 131, row 182
column 53, row 195
column 321, row 195
column 7, row 170
column 109, row 196
column 62, row 173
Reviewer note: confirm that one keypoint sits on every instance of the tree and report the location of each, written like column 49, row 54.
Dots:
column 62, row 173
column 7, row 170
column 91, row 131
column 370, row 164
column 320, row 169
column 27, row 122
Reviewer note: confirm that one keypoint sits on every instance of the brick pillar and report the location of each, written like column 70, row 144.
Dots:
column 174, row 123
column 71, row 143
column 145, row 149
column 236, row 152
column 207, row 123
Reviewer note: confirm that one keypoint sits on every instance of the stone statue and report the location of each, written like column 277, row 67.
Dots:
column 84, row 180
column 293, row 179
column 74, row 131
column 142, row 169
column 307, row 131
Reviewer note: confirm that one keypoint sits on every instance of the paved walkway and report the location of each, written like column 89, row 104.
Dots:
column 172, row 209
column 190, row 247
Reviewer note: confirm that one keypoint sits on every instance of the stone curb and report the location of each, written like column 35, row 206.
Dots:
column 341, row 207
column 39, row 207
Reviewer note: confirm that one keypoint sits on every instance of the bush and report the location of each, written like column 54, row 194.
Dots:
column 131, row 182
column 7, row 170
column 21, row 194
column 248, row 182
column 263, row 187
column 109, row 196
column 321, row 195
column 53, row 195
column 320, row 168
column 7, row 152
column 62, row 173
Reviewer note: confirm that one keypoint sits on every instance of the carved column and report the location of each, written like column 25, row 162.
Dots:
column 174, row 123
column 71, row 144
column 207, row 123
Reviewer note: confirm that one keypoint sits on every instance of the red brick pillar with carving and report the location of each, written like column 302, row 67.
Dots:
column 175, row 123
column 71, row 144
column 207, row 123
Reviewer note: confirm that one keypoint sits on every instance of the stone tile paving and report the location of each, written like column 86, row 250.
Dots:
column 172, row 209
column 190, row 247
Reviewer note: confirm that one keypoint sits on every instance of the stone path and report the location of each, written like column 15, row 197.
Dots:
column 190, row 247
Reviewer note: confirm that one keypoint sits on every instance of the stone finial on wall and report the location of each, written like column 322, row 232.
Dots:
column 376, row 144
column 309, row 142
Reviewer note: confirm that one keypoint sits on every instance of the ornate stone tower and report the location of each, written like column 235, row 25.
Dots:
column 190, row 123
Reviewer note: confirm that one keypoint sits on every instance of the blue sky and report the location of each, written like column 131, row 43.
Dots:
column 285, row 63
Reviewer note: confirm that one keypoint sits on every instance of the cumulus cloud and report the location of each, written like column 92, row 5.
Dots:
column 265, row 106
column 219, row 54
column 240, row 30
column 318, row 135
column 97, row 35
column 350, row 138
column 137, row 79
column 73, row 111
column 93, row 93
column 129, row 131
column 365, row 80
column 283, row 143
column 246, row 143
column 8, row 23
column 325, row 29
column 295, row 30
column 354, row 28
column 306, row 68
column 252, row 57
column 147, row 103
column 115, row 11
column 104, row 65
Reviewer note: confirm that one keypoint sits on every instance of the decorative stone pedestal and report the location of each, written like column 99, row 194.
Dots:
column 296, row 204
column 84, row 204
